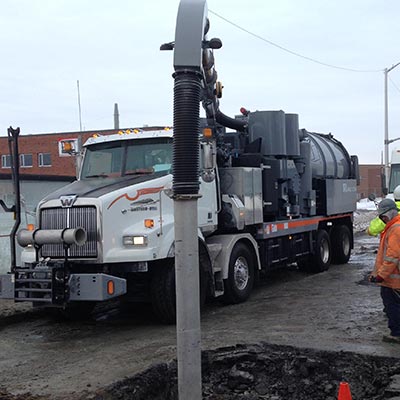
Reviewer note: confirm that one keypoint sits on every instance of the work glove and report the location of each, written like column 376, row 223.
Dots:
column 375, row 279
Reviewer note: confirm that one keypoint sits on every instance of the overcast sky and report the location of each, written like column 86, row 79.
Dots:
column 112, row 48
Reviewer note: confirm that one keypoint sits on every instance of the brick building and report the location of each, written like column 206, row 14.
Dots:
column 41, row 158
column 40, row 154
column 371, row 179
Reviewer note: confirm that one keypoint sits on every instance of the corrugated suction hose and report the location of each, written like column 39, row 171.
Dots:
column 187, row 88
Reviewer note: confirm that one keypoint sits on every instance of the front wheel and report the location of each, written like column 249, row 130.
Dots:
column 240, row 280
column 163, row 291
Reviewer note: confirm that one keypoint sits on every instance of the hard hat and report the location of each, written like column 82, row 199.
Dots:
column 386, row 205
column 396, row 193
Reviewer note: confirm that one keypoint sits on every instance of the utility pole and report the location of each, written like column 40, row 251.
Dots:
column 386, row 140
column 78, row 155
column 79, row 107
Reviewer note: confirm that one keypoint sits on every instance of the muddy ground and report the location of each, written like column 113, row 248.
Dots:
column 336, row 311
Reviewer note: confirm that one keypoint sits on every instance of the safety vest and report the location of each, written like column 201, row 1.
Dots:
column 388, row 258
column 376, row 226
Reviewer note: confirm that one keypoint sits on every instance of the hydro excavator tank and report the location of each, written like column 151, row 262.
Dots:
column 281, row 138
column 304, row 173
column 329, row 159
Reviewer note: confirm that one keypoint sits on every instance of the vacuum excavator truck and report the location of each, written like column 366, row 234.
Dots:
column 269, row 194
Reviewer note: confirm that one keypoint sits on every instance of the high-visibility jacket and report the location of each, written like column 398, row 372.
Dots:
column 388, row 257
column 376, row 226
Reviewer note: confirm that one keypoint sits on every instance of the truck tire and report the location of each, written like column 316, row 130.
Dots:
column 341, row 244
column 163, row 291
column 240, row 281
column 321, row 259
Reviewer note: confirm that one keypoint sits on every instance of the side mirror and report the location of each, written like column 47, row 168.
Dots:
column 372, row 197
column 208, row 161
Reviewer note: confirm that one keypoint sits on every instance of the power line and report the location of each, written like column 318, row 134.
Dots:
column 391, row 80
column 290, row 51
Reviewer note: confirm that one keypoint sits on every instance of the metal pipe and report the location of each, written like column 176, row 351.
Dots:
column 187, row 300
column 185, row 189
column 386, row 115
column 40, row 237
column 189, row 35
column 13, row 135
column 386, row 139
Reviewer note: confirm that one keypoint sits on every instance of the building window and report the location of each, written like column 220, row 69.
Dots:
column 44, row 160
column 26, row 160
column 6, row 161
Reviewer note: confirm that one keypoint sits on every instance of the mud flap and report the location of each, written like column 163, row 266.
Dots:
column 95, row 287
column 7, row 286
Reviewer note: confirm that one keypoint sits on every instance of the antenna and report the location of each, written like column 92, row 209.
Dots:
column 79, row 106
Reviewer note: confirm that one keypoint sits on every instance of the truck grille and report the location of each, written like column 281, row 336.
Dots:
column 74, row 217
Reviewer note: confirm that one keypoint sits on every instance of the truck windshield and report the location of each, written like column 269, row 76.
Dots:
column 133, row 157
column 394, row 177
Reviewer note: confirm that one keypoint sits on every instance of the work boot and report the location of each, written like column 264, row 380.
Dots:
column 391, row 339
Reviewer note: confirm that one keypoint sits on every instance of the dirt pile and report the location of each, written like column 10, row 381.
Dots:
column 270, row 372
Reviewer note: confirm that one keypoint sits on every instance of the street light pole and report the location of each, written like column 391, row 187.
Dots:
column 386, row 141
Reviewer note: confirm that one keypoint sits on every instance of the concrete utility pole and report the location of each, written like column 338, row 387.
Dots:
column 116, row 116
column 387, row 141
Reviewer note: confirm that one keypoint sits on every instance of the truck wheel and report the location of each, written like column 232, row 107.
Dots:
column 163, row 297
column 341, row 244
column 163, row 291
column 238, row 286
column 321, row 259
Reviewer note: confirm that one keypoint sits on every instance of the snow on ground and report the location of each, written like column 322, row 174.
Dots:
column 365, row 204
column 366, row 211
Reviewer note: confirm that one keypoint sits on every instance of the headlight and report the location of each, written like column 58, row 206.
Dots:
column 135, row 240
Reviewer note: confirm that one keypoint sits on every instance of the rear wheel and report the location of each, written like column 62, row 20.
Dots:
column 320, row 260
column 341, row 244
column 240, row 280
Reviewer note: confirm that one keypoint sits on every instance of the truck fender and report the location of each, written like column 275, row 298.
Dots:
column 171, row 251
column 223, row 245
column 205, row 262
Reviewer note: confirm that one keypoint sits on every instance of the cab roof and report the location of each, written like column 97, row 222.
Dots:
column 130, row 134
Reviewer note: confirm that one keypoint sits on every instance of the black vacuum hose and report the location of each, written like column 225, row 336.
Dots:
column 187, row 88
column 229, row 122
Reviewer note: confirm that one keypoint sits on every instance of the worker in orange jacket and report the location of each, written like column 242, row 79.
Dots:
column 386, row 272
